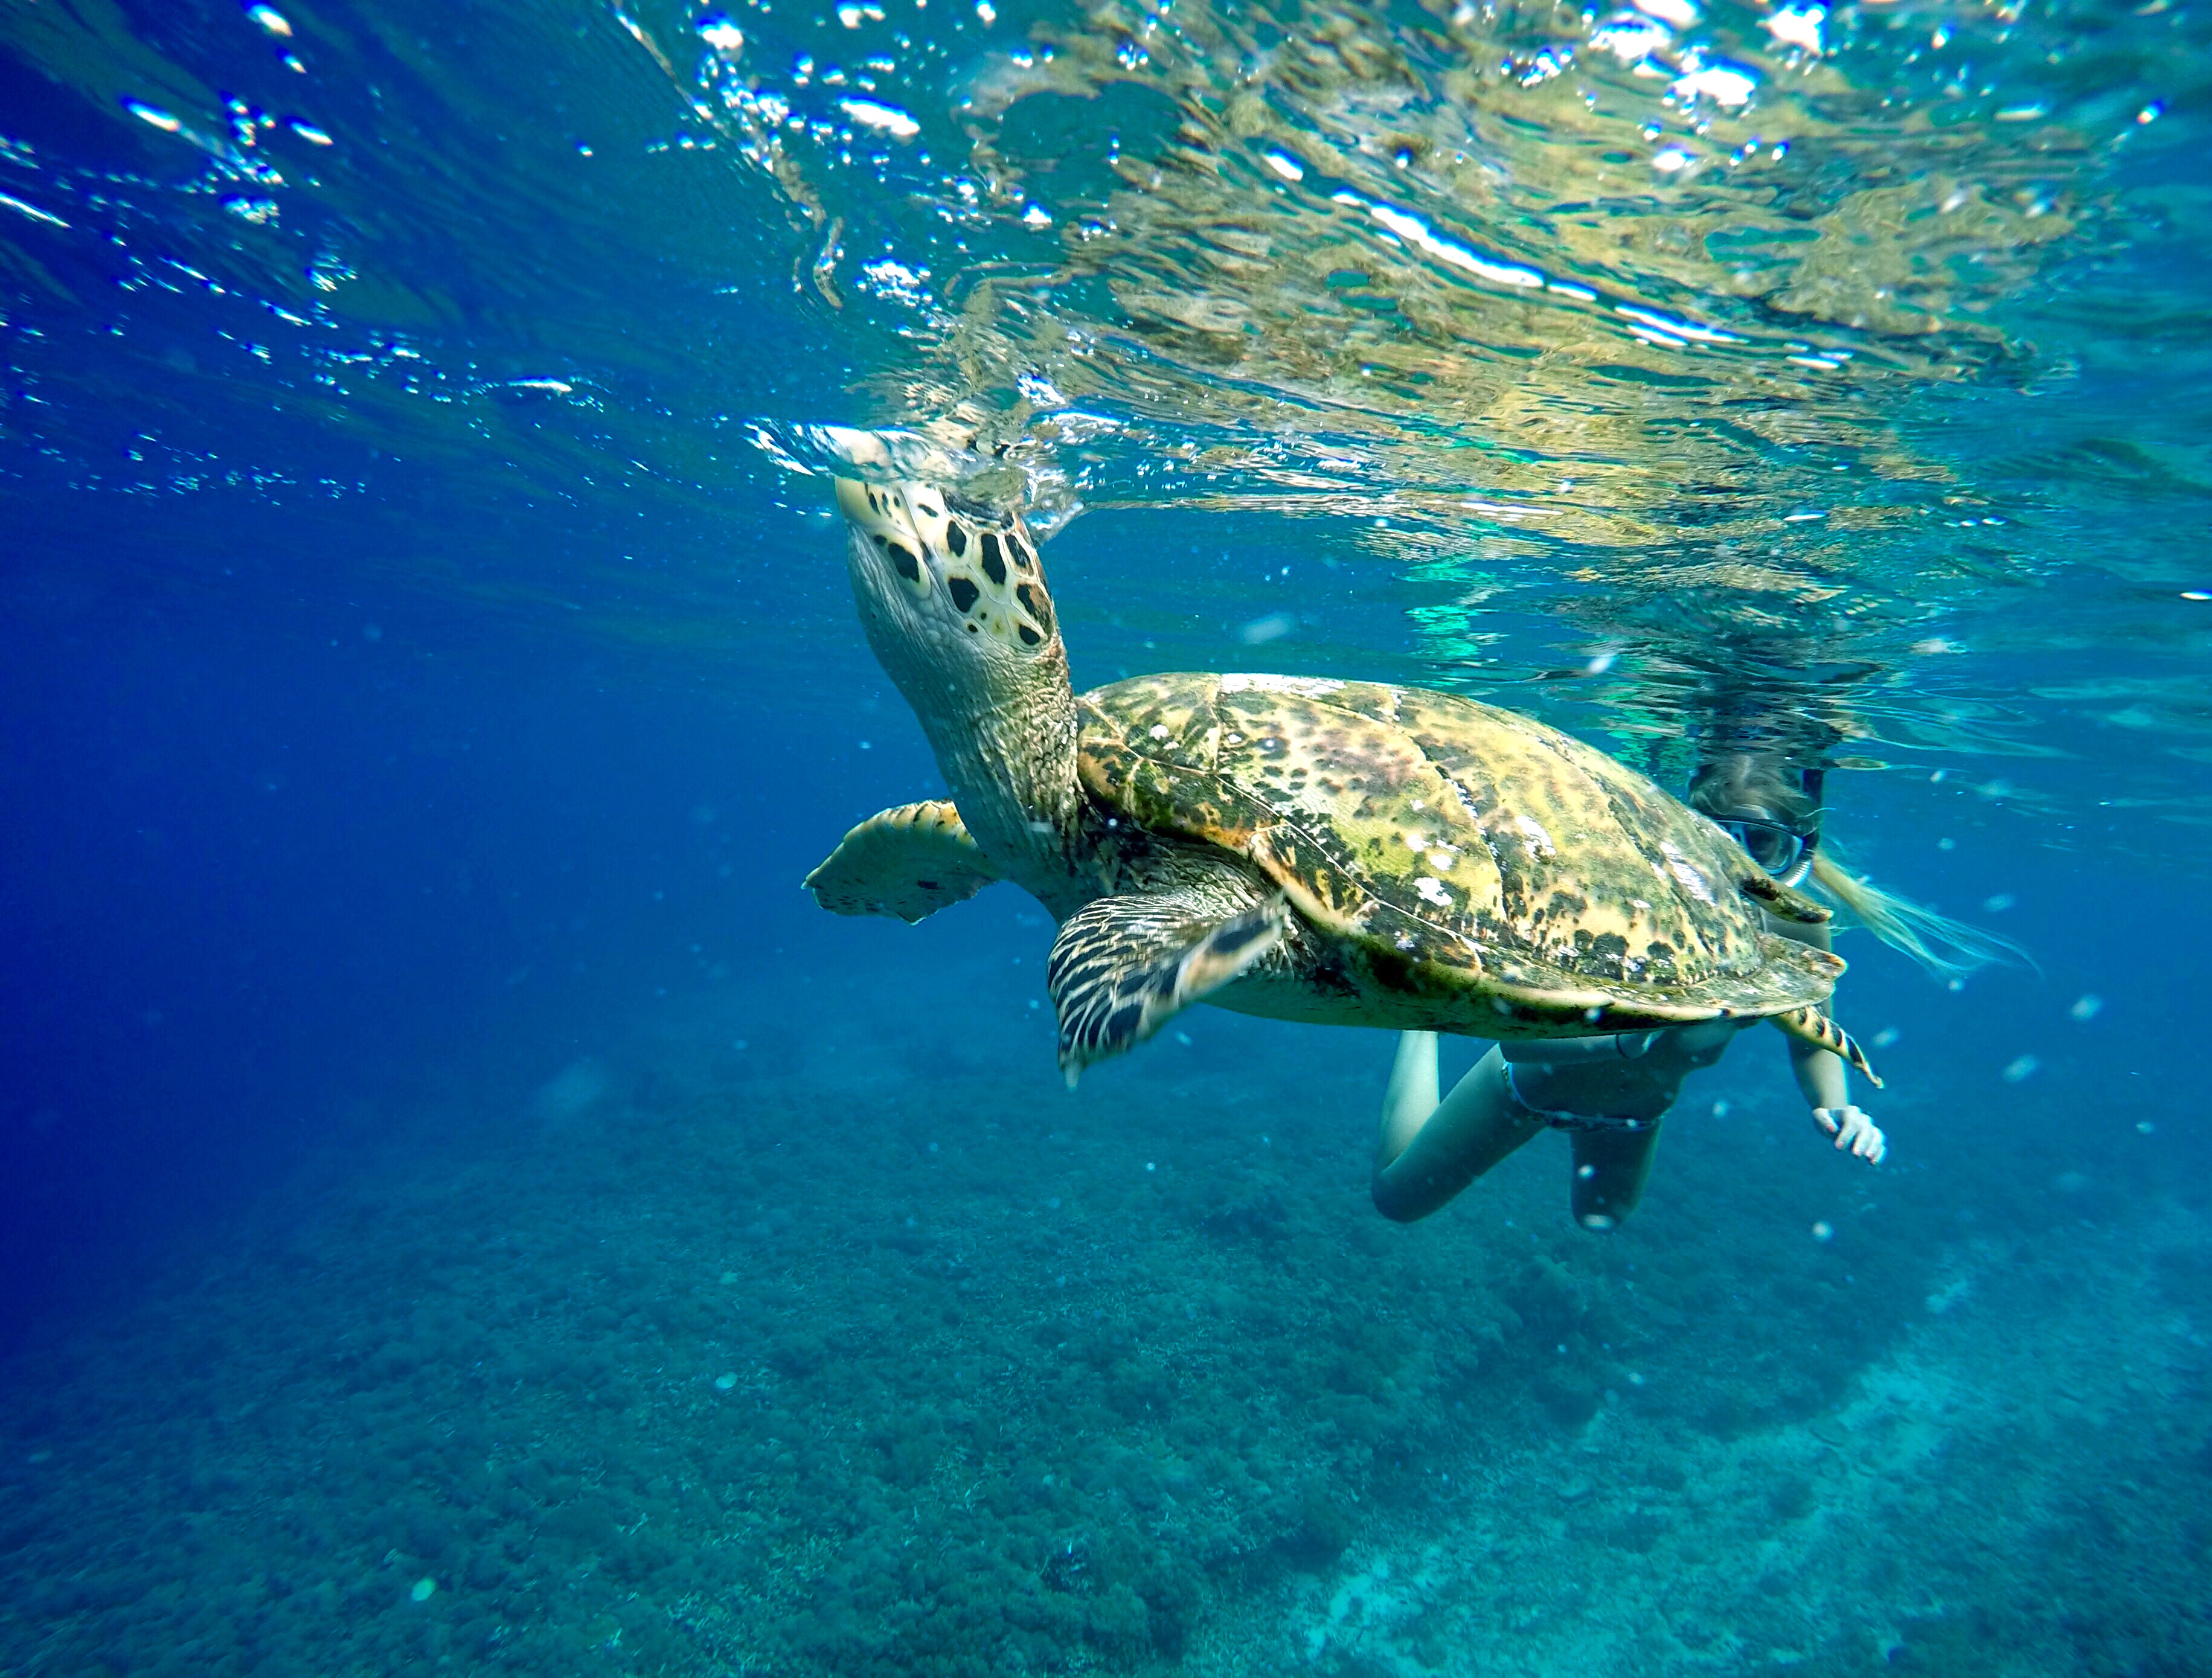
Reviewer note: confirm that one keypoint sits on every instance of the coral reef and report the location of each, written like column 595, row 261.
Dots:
column 824, row 1365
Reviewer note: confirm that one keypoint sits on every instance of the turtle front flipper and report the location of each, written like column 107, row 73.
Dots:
column 1810, row 1024
column 910, row 861
column 1121, row 967
column 1783, row 904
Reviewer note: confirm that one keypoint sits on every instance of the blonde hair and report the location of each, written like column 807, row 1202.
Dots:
column 1949, row 949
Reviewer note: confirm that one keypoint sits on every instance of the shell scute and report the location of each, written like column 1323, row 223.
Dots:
column 1451, row 843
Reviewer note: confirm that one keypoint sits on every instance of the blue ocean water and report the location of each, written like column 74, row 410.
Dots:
column 466, row 1207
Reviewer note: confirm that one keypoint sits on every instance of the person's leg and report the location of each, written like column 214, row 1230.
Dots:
column 1611, row 1168
column 1429, row 1150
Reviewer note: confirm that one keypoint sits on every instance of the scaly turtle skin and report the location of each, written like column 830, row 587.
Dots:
column 1313, row 850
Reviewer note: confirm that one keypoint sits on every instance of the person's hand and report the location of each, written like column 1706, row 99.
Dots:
column 1852, row 1129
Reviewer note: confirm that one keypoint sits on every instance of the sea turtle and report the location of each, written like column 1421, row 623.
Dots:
column 1343, row 853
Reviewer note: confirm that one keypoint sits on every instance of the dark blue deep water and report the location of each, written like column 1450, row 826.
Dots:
column 464, row 1207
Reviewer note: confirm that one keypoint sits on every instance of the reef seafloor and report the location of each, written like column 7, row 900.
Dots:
column 835, row 1342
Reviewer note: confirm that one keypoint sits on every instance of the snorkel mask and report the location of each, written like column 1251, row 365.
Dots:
column 1784, row 850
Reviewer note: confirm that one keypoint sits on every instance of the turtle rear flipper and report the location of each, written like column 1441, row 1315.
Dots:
column 1121, row 967
column 1810, row 1024
column 910, row 861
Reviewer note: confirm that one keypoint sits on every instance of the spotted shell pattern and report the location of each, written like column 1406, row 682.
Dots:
column 1465, row 847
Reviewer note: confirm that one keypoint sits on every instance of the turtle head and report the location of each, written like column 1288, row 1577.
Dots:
column 946, row 590
column 954, row 601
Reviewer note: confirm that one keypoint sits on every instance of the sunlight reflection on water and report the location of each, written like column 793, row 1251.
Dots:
column 1816, row 337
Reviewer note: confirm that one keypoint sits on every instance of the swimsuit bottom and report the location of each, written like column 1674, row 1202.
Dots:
column 1558, row 1120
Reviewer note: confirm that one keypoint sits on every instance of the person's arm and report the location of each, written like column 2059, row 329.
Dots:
column 1825, row 1080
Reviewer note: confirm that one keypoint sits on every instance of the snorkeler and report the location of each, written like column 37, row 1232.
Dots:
column 1609, row 1093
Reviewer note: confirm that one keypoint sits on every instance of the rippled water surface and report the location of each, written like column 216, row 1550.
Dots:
column 1869, row 339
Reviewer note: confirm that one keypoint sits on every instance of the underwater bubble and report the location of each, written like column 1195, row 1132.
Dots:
column 1795, row 27
column 271, row 20
column 1998, row 903
column 2144, row 1127
column 10, row 202
column 312, row 135
column 2021, row 1069
column 725, row 1380
column 153, row 114
column 1272, row 627
column 425, row 1590
column 2087, row 1006
column 1721, row 83
column 720, row 33
column 1824, row 1231
column 885, row 119
column 1883, row 1038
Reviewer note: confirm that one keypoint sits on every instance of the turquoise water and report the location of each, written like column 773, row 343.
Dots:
column 464, row 1207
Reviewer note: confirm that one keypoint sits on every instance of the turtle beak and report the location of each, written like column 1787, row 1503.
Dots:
column 853, row 501
column 883, row 538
